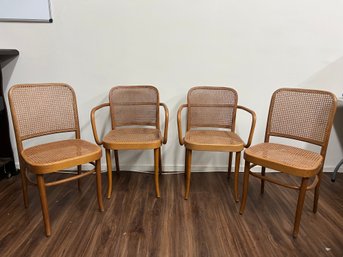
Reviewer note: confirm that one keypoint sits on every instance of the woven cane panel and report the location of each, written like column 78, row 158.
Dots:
column 213, row 137
column 59, row 151
column 136, row 105
column 133, row 135
column 286, row 156
column 43, row 109
column 211, row 107
column 303, row 115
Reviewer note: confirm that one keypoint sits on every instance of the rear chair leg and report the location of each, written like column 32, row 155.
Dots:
column 79, row 170
column 24, row 185
column 229, row 165
column 116, row 158
column 263, row 173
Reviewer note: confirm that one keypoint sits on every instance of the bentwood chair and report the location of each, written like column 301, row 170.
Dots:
column 297, row 114
column 211, row 123
column 44, row 109
column 135, row 119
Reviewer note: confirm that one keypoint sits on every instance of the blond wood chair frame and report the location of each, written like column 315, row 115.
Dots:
column 120, row 128
column 299, row 121
column 33, row 107
column 229, row 123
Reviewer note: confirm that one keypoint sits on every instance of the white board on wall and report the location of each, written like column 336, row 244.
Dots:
column 25, row 10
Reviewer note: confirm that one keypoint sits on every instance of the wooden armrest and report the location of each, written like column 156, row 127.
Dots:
column 179, row 126
column 253, row 123
column 166, row 122
column 95, row 133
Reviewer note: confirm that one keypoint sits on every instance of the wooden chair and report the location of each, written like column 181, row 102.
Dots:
column 297, row 114
column 43, row 109
column 135, row 119
column 211, row 122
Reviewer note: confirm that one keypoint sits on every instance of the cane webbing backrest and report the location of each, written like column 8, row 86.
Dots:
column 134, row 105
column 42, row 109
column 211, row 107
column 301, row 114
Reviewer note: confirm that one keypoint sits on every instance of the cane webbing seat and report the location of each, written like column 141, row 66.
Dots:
column 44, row 109
column 135, row 120
column 284, row 158
column 295, row 114
column 66, row 153
column 133, row 139
column 213, row 140
column 211, row 121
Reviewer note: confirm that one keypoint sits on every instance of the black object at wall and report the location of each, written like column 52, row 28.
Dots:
column 7, row 166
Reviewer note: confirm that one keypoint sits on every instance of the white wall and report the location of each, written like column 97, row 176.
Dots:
column 253, row 46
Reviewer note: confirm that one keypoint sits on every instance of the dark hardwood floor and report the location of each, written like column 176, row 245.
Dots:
column 135, row 223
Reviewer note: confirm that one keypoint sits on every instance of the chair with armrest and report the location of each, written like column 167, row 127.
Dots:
column 297, row 114
column 211, row 122
column 135, row 120
column 44, row 109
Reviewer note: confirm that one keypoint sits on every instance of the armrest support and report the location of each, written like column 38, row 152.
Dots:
column 166, row 122
column 179, row 126
column 95, row 133
column 253, row 123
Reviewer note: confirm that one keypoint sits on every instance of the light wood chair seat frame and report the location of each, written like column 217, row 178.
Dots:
column 217, row 134
column 33, row 107
column 133, row 139
column 137, row 133
column 296, row 114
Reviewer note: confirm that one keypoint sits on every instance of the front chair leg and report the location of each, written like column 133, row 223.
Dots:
column 237, row 162
column 44, row 204
column 316, row 192
column 160, row 161
column 109, row 173
column 156, row 161
column 188, row 172
column 300, row 204
column 98, row 184
column 245, row 186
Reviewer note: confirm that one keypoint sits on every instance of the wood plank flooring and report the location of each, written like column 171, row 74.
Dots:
column 135, row 223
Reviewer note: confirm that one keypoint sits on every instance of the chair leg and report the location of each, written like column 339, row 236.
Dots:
column 79, row 170
column 160, row 161
column 300, row 204
column 116, row 158
column 24, row 185
column 263, row 173
column 245, row 186
column 186, row 156
column 109, row 173
column 229, row 165
column 188, row 172
column 156, row 161
column 98, row 184
column 237, row 162
column 316, row 192
column 44, row 204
